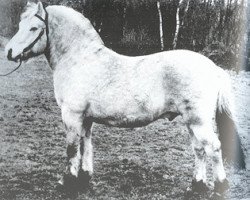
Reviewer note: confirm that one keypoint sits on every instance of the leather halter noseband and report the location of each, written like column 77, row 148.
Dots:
column 46, row 51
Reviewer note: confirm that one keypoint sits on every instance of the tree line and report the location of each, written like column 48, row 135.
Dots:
column 215, row 28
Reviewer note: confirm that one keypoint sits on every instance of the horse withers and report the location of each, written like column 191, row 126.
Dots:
column 93, row 84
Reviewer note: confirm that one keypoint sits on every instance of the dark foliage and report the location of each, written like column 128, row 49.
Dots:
column 131, row 27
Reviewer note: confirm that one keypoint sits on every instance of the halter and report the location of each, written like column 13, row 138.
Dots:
column 46, row 51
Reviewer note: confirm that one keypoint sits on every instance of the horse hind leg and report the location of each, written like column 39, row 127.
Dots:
column 213, row 150
column 219, row 174
column 212, row 147
column 199, row 182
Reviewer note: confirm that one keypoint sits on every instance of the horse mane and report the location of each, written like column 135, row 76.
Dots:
column 77, row 19
column 69, row 14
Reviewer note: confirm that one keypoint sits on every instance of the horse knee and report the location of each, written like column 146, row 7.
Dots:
column 72, row 120
column 72, row 150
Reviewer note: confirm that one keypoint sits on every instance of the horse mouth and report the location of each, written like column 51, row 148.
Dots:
column 16, row 59
column 22, row 56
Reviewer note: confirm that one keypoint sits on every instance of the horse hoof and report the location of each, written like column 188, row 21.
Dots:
column 83, row 178
column 221, row 187
column 199, row 187
column 68, row 183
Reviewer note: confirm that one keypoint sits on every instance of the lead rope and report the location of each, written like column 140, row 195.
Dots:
column 13, row 69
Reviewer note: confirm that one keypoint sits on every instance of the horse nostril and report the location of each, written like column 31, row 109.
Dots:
column 9, row 56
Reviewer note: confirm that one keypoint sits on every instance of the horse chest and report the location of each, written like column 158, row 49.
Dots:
column 70, row 89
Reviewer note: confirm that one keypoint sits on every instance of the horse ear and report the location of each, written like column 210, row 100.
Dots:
column 40, row 10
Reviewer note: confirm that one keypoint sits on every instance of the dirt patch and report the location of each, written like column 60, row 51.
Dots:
column 154, row 162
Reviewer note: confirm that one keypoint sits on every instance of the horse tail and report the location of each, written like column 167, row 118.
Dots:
column 230, row 141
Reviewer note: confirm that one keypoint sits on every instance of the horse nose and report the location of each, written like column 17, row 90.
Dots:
column 9, row 56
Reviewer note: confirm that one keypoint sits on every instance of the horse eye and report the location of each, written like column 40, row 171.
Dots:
column 33, row 29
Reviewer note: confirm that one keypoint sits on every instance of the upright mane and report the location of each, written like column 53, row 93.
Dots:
column 69, row 18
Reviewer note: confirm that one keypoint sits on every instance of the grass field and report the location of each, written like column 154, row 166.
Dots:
column 154, row 162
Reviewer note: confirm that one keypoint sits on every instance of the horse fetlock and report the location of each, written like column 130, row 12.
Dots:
column 88, row 170
column 201, row 176
column 87, row 165
column 73, row 166
column 219, row 171
column 220, row 174
column 74, row 170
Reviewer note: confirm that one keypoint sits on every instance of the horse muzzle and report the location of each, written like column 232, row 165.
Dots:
column 11, row 56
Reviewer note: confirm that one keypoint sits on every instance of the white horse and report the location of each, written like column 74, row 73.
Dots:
column 94, row 84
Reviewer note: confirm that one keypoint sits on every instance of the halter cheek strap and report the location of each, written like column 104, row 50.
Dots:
column 34, row 42
column 47, row 49
column 41, row 33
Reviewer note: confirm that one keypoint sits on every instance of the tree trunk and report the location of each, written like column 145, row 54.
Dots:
column 177, row 25
column 160, row 25
column 124, row 21
column 179, row 22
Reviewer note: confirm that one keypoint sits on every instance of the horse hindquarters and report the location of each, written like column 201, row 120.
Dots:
column 206, row 142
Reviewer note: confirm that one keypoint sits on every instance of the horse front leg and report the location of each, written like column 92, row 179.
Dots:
column 75, row 134
column 86, row 149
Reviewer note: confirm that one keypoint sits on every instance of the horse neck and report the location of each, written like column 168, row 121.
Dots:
column 66, row 36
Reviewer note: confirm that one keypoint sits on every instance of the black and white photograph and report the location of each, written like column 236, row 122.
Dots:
column 124, row 99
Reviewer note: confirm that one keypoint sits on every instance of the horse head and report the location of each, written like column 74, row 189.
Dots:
column 31, row 39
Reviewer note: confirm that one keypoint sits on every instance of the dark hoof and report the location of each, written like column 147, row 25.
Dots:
column 71, row 184
column 198, row 190
column 68, row 183
column 83, row 179
column 199, row 187
column 221, row 187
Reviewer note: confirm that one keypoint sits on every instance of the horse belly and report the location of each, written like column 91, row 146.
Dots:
column 124, row 121
column 132, row 111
